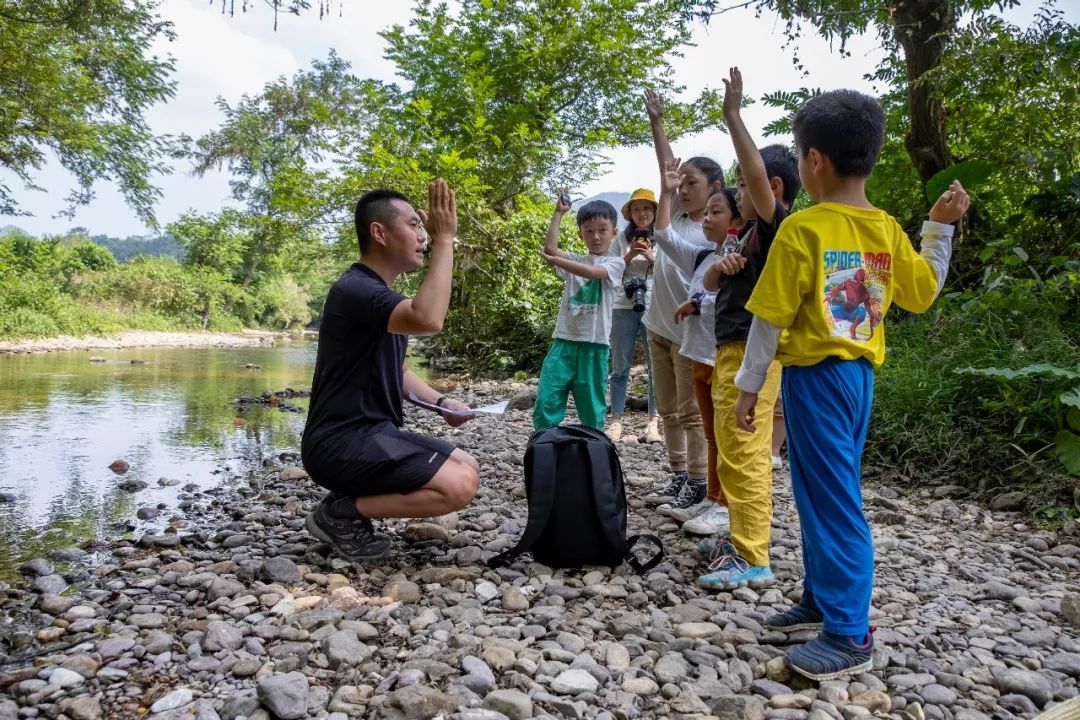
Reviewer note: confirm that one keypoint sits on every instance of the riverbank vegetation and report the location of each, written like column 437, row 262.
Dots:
column 983, row 390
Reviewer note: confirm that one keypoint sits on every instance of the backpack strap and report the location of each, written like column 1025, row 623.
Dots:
column 541, row 501
column 704, row 253
column 643, row 567
column 600, row 467
column 609, row 516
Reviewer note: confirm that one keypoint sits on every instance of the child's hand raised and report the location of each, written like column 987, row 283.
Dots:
column 654, row 105
column 562, row 198
column 952, row 204
column 733, row 93
column 671, row 177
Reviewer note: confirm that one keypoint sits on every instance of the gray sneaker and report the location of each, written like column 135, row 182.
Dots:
column 354, row 540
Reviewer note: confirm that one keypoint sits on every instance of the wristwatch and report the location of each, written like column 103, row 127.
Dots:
column 440, row 401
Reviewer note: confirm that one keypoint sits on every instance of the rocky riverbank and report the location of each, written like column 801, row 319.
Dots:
column 228, row 609
column 247, row 338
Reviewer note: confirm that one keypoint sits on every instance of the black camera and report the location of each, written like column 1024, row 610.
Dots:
column 635, row 290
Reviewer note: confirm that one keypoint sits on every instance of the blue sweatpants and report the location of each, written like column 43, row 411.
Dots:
column 828, row 410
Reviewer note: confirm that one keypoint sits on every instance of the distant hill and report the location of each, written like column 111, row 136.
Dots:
column 126, row 248
column 13, row 230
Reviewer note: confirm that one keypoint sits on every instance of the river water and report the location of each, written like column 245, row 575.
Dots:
column 64, row 419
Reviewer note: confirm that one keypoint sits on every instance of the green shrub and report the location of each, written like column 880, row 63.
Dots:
column 965, row 393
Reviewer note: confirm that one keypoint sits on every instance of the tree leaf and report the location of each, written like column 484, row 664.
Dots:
column 1067, row 448
column 970, row 173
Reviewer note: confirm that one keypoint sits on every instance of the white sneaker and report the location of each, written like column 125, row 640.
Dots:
column 615, row 431
column 711, row 522
column 681, row 513
column 777, row 462
column 652, row 432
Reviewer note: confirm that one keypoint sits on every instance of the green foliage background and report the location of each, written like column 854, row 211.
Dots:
column 507, row 100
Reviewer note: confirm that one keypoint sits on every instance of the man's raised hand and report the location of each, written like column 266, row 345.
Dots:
column 441, row 218
column 654, row 105
column 733, row 93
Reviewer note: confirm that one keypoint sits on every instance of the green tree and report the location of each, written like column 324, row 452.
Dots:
column 534, row 92
column 915, row 33
column 76, row 79
column 277, row 146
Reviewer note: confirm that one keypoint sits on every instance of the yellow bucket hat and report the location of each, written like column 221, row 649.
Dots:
column 640, row 194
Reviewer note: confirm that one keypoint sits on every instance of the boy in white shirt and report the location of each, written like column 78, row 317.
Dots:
column 578, row 359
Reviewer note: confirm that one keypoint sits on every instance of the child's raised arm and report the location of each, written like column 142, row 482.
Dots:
column 751, row 166
column 591, row 272
column 654, row 106
column 682, row 253
column 551, row 242
column 669, row 183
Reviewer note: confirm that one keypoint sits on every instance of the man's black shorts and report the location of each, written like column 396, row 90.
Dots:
column 376, row 460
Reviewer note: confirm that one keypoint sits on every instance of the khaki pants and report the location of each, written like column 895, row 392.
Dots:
column 684, row 435
column 745, row 463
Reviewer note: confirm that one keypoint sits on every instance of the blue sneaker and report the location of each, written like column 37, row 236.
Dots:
column 800, row 617
column 731, row 571
column 716, row 547
column 828, row 657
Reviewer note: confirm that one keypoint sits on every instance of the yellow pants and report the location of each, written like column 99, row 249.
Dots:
column 744, row 460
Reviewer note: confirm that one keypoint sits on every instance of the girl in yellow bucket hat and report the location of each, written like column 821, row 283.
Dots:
column 634, row 245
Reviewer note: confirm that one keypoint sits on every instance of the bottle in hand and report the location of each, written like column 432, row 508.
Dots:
column 731, row 242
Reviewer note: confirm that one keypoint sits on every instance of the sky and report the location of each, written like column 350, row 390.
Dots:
column 221, row 56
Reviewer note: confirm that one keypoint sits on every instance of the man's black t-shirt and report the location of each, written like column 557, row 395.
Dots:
column 358, row 369
column 732, row 318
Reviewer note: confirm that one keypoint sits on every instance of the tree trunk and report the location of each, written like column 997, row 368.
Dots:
column 923, row 28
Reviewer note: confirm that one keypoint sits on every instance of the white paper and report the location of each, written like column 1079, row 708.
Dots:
column 497, row 409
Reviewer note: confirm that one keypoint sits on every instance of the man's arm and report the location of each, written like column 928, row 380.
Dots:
column 425, row 313
column 751, row 166
column 412, row 384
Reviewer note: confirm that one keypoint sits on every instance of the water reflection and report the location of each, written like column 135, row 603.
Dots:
column 63, row 419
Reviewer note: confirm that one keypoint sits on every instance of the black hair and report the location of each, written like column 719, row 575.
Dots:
column 780, row 162
column 374, row 206
column 597, row 209
column 708, row 167
column 729, row 195
column 845, row 126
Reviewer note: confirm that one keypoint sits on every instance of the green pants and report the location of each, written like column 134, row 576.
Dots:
column 572, row 367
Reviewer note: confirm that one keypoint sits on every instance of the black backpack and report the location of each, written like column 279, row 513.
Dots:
column 577, row 503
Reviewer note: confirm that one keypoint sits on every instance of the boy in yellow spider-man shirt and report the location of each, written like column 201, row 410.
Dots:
column 832, row 272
